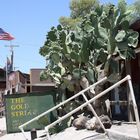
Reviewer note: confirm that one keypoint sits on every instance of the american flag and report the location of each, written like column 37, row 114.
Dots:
column 5, row 36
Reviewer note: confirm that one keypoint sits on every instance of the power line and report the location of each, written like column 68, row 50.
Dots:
column 30, row 44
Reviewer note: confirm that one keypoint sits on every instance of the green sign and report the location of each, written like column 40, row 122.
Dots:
column 21, row 108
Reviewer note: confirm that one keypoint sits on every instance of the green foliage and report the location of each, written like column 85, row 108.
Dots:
column 79, row 8
column 70, row 22
column 76, row 53
column 114, row 35
column 101, row 35
column 67, row 53
column 134, row 10
column 137, row 7
column 43, row 120
column 122, row 6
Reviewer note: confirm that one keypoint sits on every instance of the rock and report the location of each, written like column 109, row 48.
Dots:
column 84, row 122
column 80, row 122
column 106, row 122
column 90, row 124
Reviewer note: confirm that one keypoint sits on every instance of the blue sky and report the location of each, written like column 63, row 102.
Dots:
column 29, row 21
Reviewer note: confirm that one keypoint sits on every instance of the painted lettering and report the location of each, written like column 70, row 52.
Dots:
column 22, row 113
column 17, row 100
column 19, row 107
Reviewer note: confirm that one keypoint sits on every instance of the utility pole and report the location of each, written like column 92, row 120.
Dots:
column 12, row 54
column 11, row 62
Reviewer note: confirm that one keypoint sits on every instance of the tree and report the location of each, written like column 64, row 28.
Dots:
column 70, row 22
column 137, row 7
column 136, row 10
column 79, row 8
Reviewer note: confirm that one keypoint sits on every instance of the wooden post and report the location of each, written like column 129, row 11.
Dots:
column 128, row 72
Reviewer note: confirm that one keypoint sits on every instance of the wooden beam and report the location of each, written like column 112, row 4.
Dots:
column 128, row 72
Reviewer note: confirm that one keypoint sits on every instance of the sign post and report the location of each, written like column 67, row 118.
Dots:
column 33, row 134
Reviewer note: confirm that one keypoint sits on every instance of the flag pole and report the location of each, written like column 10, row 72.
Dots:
column 6, row 36
column 12, row 56
column 6, row 75
column 12, row 53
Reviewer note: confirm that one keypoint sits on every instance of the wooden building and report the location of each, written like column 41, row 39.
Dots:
column 2, row 79
column 132, row 68
column 36, row 84
column 2, row 89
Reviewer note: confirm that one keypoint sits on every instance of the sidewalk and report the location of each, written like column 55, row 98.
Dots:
column 4, row 136
column 14, row 136
column 73, row 134
column 123, row 132
column 117, row 132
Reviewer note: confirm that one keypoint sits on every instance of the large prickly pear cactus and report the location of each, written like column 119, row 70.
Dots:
column 73, row 56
